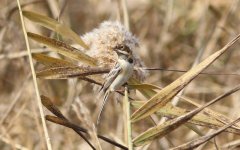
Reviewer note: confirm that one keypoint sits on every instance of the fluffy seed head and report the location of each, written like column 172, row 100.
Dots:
column 105, row 38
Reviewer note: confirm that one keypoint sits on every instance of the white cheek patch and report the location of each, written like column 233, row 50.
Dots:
column 123, row 52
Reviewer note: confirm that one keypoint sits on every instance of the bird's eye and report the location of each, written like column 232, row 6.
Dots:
column 121, row 47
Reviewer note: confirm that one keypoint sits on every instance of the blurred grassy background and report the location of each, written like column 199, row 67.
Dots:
column 172, row 35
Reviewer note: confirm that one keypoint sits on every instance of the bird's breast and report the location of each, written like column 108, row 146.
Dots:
column 125, row 74
column 126, row 66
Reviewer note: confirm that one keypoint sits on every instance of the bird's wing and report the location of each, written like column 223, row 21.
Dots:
column 111, row 77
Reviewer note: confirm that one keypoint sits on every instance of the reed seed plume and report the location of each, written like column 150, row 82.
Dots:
column 108, row 35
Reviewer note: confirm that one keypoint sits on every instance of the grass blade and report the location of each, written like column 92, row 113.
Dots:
column 63, row 48
column 197, row 142
column 51, row 61
column 128, row 126
column 146, row 90
column 167, row 93
column 208, row 118
column 168, row 126
column 69, row 71
column 55, row 26
column 201, row 119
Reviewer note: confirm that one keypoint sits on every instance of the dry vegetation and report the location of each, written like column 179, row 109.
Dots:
column 172, row 34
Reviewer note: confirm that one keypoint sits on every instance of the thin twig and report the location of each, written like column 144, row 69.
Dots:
column 205, row 73
column 34, row 79
column 20, row 54
column 125, row 14
column 62, row 120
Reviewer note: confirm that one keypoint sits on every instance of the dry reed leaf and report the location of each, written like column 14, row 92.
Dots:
column 51, row 107
column 148, row 93
column 167, row 93
column 215, row 115
column 144, row 86
column 63, row 48
column 55, row 26
column 77, row 128
column 201, row 119
column 55, row 70
column 62, row 120
column 66, row 123
column 210, row 118
column 197, row 142
column 170, row 125
column 69, row 71
column 51, row 61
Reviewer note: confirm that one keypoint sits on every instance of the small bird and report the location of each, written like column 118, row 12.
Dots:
column 119, row 75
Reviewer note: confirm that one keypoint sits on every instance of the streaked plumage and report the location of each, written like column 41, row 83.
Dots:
column 119, row 75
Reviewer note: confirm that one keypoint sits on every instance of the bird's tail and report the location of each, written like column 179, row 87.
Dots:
column 102, row 106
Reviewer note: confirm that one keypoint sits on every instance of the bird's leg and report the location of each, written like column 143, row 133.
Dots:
column 126, row 86
column 123, row 90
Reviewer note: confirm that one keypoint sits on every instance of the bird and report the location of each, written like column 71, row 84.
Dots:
column 119, row 74
column 114, row 46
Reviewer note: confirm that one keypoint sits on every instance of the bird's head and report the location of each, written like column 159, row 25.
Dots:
column 123, row 51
